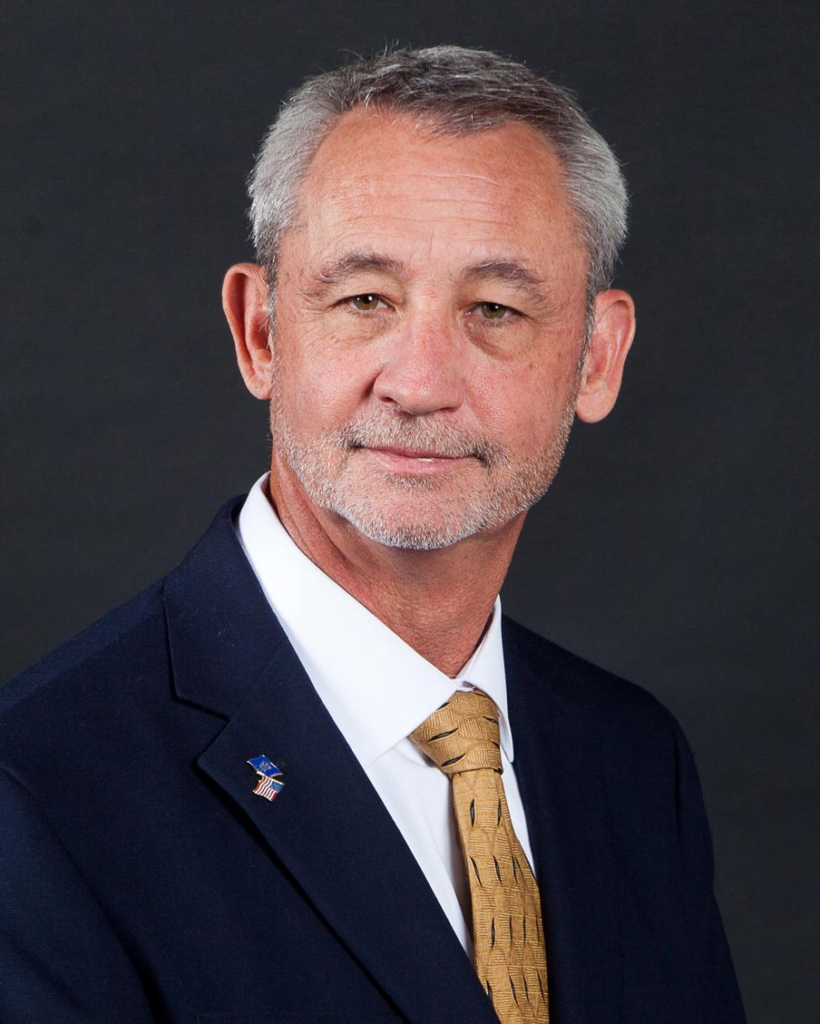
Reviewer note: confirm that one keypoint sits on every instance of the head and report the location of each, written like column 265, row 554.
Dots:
column 435, row 233
column 452, row 91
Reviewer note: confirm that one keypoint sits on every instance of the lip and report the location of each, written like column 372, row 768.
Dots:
column 414, row 460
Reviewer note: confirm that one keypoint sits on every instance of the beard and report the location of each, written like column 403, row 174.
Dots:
column 416, row 512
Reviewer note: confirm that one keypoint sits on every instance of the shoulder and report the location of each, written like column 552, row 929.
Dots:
column 117, row 641
column 93, row 740
column 574, row 678
column 627, row 717
column 82, row 730
column 646, row 759
column 94, row 670
column 124, row 649
column 107, row 701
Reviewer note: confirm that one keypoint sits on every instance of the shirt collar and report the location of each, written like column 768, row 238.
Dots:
column 375, row 686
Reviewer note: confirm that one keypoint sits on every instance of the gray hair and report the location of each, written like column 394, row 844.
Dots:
column 452, row 91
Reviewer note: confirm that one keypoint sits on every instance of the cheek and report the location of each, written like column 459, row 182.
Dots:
column 321, row 383
column 526, row 412
column 527, row 399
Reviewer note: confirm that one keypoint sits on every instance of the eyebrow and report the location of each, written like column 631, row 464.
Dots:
column 505, row 270
column 515, row 274
column 355, row 262
column 341, row 267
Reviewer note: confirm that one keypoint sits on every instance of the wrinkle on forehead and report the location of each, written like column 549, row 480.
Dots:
column 446, row 183
column 384, row 183
column 352, row 151
column 406, row 198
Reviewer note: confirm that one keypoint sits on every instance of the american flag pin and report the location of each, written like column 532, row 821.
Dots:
column 270, row 777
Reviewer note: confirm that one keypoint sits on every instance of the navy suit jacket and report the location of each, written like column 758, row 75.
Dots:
column 143, row 881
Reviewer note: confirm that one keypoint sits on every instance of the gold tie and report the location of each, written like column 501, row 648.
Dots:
column 462, row 738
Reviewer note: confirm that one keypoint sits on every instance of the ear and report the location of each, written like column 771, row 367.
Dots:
column 609, row 344
column 245, row 301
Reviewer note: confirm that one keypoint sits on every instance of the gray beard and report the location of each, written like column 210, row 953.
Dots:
column 465, row 515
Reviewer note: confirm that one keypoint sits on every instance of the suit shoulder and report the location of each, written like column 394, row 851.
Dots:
column 579, row 681
column 114, row 648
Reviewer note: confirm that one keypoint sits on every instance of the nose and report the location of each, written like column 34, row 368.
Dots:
column 423, row 370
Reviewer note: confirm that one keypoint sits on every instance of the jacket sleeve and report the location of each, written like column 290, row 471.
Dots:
column 60, row 960
column 719, row 994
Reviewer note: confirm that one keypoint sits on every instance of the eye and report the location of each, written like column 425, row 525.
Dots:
column 493, row 311
column 366, row 303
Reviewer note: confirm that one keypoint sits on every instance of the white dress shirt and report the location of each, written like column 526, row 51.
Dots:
column 378, row 689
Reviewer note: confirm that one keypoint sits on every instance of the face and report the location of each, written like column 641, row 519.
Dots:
column 430, row 316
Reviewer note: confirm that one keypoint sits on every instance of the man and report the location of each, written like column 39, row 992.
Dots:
column 312, row 775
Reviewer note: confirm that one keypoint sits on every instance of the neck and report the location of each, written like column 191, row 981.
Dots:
column 438, row 602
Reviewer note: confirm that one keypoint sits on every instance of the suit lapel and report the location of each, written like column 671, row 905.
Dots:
column 328, row 826
column 558, row 765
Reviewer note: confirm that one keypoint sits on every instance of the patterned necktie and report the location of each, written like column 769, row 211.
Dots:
column 462, row 738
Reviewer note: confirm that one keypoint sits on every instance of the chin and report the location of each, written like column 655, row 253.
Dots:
column 414, row 525
column 417, row 513
column 411, row 536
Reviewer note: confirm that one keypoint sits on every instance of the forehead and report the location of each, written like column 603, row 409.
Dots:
column 382, row 178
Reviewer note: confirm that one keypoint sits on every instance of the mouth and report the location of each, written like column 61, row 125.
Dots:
column 414, row 460
column 425, row 455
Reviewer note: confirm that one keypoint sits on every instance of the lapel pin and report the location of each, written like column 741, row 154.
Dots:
column 270, row 778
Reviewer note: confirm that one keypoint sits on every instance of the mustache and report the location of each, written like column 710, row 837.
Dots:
column 440, row 439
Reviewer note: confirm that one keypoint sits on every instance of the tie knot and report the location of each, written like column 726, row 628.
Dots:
column 462, row 735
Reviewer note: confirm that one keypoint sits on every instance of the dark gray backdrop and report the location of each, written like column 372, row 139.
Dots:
column 675, row 547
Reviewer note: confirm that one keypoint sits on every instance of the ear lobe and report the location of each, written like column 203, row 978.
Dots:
column 609, row 344
column 245, row 302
